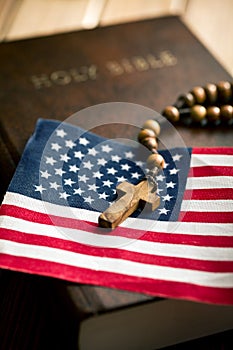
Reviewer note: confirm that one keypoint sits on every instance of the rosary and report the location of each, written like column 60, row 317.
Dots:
column 210, row 105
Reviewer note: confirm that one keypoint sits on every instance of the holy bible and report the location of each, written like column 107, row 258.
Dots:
column 148, row 63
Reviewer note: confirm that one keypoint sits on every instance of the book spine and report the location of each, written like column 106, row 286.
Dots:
column 8, row 161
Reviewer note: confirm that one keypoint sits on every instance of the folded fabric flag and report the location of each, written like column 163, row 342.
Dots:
column 66, row 176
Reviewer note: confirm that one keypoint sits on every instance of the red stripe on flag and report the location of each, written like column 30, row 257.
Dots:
column 214, row 150
column 149, row 286
column 209, row 194
column 46, row 219
column 211, row 171
column 116, row 253
column 150, row 236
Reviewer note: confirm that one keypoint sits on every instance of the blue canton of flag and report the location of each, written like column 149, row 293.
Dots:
column 80, row 169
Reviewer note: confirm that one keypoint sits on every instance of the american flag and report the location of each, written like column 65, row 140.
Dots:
column 67, row 176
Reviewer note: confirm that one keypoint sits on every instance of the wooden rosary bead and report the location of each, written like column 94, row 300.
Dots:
column 144, row 134
column 224, row 91
column 155, row 161
column 152, row 125
column 199, row 94
column 211, row 93
column 150, row 143
column 198, row 113
column 213, row 113
column 186, row 100
column 189, row 99
column 171, row 113
column 226, row 112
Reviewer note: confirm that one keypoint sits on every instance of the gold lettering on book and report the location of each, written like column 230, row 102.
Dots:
column 84, row 73
column 115, row 68
column 40, row 81
column 65, row 77
column 61, row 77
column 168, row 58
column 140, row 63
column 154, row 62
column 125, row 65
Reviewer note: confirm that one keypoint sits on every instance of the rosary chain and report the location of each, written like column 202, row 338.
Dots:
column 211, row 104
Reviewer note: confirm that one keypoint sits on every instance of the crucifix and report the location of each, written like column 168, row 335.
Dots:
column 130, row 198
column 211, row 104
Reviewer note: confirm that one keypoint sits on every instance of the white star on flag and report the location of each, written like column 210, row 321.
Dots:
column 97, row 174
column 139, row 163
column 45, row 174
column 167, row 198
column 78, row 154
column 61, row 133
column 112, row 171
column 177, row 157
column 64, row 158
column 87, row 165
column 68, row 182
column 160, row 177
column 73, row 168
column 101, row 161
column 83, row 178
column 64, row 195
column 103, row 196
column 39, row 188
column 121, row 179
column 125, row 167
column 163, row 211
column 106, row 148
column 59, row 171
column 88, row 199
column 170, row 184
column 129, row 155
column 70, row 143
column 78, row 191
column 55, row 146
column 173, row 171
column 50, row 160
column 83, row 141
column 92, row 152
column 107, row 183
column 93, row 187
column 135, row 175
column 54, row 185
column 116, row 158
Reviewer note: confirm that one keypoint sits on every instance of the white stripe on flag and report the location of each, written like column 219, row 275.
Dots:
column 207, row 205
column 40, row 206
column 124, row 267
column 137, row 246
column 211, row 182
column 211, row 160
column 213, row 229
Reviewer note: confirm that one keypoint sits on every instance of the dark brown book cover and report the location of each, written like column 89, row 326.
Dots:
column 148, row 63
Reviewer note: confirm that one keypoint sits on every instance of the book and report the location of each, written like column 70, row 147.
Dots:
column 54, row 77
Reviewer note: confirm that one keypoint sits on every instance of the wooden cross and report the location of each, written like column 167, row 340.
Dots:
column 130, row 198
